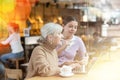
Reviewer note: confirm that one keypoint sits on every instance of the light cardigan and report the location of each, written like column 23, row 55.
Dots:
column 43, row 62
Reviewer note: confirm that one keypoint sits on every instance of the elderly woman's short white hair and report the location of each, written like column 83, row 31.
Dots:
column 50, row 28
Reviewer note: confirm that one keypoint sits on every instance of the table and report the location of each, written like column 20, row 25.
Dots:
column 75, row 77
column 101, row 70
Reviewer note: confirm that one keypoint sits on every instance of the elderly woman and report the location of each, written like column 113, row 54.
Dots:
column 44, row 59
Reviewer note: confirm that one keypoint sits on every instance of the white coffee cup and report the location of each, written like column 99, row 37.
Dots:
column 83, row 68
column 66, row 69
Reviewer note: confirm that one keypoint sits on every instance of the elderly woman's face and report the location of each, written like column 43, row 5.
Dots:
column 56, row 38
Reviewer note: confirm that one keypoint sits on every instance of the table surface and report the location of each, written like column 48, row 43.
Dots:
column 74, row 77
column 103, row 69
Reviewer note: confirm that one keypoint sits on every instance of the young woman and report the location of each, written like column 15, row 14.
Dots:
column 15, row 43
column 44, row 59
column 71, row 44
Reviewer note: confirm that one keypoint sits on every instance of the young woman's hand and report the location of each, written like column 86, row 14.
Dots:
column 68, row 63
column 65, row 43
column 75, row 65
column 84, row 61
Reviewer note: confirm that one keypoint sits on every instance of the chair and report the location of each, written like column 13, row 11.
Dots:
column 16, row 61
column 24, row 69
column 13, row 74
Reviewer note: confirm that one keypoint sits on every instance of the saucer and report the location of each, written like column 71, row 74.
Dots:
column 66, row 75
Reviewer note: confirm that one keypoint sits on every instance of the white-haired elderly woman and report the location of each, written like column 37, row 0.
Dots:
column 44, row 59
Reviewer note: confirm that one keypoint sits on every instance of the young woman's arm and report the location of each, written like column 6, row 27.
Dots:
column 62, row 47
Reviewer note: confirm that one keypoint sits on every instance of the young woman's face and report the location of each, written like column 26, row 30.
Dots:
column 70, row 28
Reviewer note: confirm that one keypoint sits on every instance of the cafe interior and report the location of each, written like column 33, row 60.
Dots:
column 101, row 16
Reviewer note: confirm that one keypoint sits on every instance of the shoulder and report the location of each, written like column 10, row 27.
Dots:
column 38, row 51
column 38, row 48
column 14, row 35
column 77, row 38
column 11, row 35
column 78, row 41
